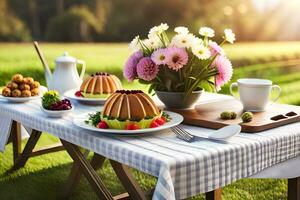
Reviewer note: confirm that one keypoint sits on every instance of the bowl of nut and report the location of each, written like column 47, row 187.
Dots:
column 21, row 89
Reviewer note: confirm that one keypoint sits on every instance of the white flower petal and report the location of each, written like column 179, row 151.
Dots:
column 206, row 32
column 229, row 36
column 181, row 30
column 183, row 40
column 134, row 44
column 201, row 52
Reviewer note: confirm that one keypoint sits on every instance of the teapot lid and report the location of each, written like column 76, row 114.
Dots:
column 66, row 58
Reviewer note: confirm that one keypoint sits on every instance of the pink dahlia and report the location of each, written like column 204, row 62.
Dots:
column 224, row 67
column 130, row 65
column 147, row 69
column 159, row 57
column 215, row 49
column 176, row 58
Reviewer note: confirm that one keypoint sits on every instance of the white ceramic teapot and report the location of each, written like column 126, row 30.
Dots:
column 65, row 76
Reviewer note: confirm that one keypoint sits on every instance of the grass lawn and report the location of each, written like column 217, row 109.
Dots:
column 44, row 177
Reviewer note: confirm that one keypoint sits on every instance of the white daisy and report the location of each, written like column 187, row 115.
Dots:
column 201, row 52
column 156, row 30
column 206, row 32
column 197, row 41
column 229, row 36
column 153, row 42
column 181, row 30
column 134, row 44
column 182, row 40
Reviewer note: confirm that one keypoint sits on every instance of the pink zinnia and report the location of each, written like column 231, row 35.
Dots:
column 176, row 57
column 130, row 65
column 147, row 69
column 215, row 49
column 159, row 57
column 224, row 67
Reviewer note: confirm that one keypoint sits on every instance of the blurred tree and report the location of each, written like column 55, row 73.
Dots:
column 12, row 28
column 77, row 24
column 34, row 18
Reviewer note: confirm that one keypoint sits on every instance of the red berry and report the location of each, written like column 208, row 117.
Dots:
column 132, row 127
column 102, row 125
column 78, row 94
column 154, row 124
column 160, row 121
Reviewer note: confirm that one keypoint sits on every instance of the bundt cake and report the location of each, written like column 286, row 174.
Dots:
column 125, row 107
column 100, row 85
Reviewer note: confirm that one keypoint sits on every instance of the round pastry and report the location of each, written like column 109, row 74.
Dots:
column 28, row 80
column 16, row 93
column 100, row 85
column 12, row 85
column 35, row 84
column 24, row 87
column 26, row 93
column 6, row 92
column 35, row 92
column 126, row 107
column 18, row 78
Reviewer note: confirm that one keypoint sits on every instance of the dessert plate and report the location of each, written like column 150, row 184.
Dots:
column 175, row 120
column 24, row 99
column 92, row 101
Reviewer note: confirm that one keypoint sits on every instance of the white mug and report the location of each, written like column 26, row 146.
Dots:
column 255, row 93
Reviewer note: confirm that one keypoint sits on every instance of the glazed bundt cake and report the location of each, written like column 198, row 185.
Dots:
column 100, row 85
column 129, row 106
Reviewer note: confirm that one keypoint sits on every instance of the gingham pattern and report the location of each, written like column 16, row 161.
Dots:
column 183, row 169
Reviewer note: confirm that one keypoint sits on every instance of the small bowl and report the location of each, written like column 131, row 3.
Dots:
column 57, row 113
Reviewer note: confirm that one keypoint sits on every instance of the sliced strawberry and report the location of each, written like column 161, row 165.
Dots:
column 78, row 94
column 160, row 121
column 154, row 124
column 164, row 118
column 102, row 125
column 132, row 127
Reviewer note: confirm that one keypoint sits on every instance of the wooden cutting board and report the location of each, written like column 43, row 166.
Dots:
column 208, row 115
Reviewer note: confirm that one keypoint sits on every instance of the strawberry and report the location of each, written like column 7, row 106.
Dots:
column 154, row 124
column 132, row 127
column 160, row 121
column 78, row 94
column 102, row 125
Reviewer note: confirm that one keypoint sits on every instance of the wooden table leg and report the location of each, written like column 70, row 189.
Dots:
column 294, row 189
column 128, row 181
column 87, row 170
column 22, row 159
column 214, row 195
column 75, row 175
column 16, row 138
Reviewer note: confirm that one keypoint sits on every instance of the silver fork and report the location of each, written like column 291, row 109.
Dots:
column 182, row 134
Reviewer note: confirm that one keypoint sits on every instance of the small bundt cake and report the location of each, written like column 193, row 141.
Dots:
column 100, row 85
column 129, row 106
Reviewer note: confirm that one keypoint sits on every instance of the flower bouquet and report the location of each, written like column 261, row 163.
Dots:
column 182, row 64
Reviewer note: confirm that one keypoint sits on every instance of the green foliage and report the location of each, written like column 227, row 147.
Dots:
column 77, row 24
column 94, row 118
column 11, row 27
column 49, row 98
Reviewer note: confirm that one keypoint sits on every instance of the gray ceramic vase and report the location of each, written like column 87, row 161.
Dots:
column 177, row 100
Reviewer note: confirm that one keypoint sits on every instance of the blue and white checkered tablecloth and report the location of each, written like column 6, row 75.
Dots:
column 183, row 169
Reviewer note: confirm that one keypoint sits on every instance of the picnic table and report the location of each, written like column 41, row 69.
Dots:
column 182, row 169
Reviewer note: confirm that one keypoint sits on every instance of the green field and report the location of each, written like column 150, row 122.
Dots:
column 44, row 176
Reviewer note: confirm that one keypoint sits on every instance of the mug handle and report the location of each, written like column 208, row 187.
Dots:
column 82, row 68
column 276, row 87
column 233, row 85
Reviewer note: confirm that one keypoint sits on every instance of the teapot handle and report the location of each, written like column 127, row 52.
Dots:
column 82, row 69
